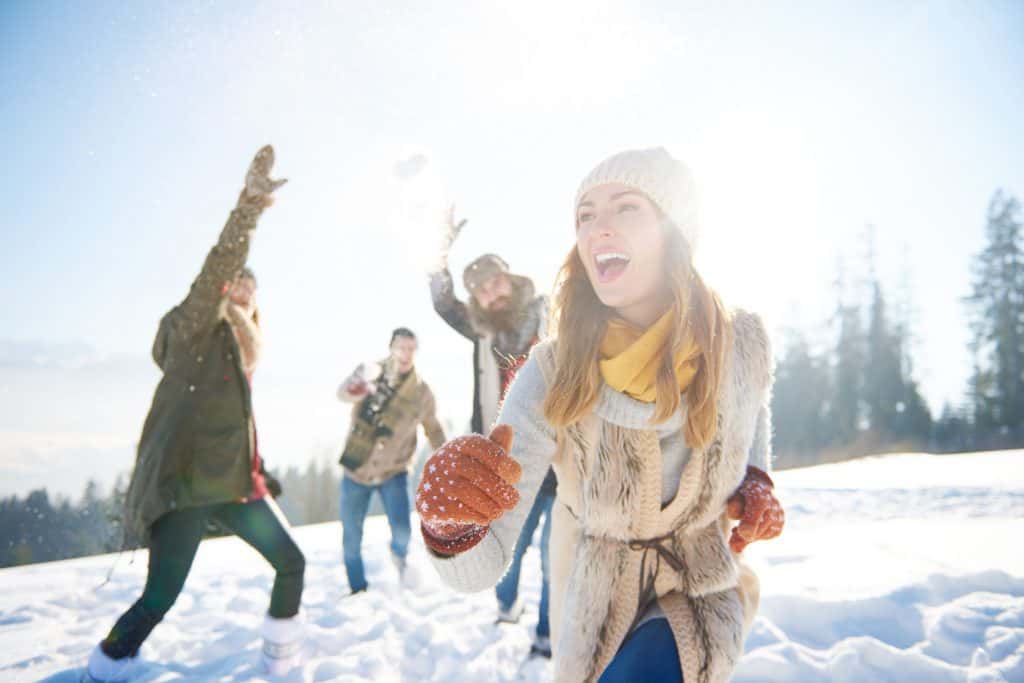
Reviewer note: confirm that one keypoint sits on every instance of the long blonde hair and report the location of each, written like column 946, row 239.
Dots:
column 579, row 319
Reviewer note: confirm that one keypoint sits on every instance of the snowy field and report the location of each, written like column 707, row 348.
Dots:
column 901, row 568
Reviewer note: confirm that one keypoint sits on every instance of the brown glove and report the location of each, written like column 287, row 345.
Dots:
column 259, row 187
column 759, row 511
column 467, row 483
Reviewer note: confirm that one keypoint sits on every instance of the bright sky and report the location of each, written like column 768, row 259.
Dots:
column 128, row 131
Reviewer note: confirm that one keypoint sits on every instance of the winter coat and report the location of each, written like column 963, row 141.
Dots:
column 197, row 442
column 620, row 547
column 492, row 349
column 376, row 453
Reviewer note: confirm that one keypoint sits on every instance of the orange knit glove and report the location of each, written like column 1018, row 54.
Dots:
column 760, row 514
column 467, row 483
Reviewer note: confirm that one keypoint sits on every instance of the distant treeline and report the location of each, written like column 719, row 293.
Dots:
column 41, row 528
column 857, row 393
column 854, row 394
column 38, row 529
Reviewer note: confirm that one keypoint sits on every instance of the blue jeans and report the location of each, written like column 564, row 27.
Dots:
column 355, row 501
column 649, row 654
column 508, row 588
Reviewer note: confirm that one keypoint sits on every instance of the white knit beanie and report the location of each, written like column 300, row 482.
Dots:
column 666, row 182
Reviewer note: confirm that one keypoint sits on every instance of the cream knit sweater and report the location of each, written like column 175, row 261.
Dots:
column 533, row 447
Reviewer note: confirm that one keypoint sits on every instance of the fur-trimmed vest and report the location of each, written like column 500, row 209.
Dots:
column 614, row 548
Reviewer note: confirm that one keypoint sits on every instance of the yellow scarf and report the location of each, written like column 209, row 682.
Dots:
column 630, row 357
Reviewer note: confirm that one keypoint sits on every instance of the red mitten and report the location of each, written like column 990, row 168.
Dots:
column 358, row 387
column 760, row 514
column 467, row 483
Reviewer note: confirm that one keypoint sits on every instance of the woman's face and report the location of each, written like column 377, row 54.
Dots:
column 242, row 292
column 620, row 240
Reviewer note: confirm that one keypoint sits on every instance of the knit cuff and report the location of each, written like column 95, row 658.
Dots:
column 447, row 547
column 475, row 570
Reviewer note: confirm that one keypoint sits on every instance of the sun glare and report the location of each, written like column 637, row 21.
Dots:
column 760, row 207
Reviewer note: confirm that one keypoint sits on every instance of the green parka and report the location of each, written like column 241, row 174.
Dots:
column 197, row 442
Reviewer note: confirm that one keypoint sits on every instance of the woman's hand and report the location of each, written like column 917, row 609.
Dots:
column 259, row 187
column 467, row 484
column 759, row 511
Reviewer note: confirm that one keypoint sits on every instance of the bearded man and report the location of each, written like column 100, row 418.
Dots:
column 503, row 319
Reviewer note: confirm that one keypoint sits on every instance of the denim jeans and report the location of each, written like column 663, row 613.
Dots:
column 174, row 540
column 507, row 589
column 649, row 654
column 355, row 501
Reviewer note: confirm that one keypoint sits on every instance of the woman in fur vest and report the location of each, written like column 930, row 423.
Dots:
column 197, row 461
column 651, row 404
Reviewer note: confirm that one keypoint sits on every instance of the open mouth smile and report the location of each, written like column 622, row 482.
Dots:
column 610, row 265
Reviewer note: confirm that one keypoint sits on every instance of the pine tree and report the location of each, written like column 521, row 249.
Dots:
column 952, row 431
column 916, row 417
column 328, row 489
column 800, row 403
column 996, row 307
column 847, row 412
column 895, row 411
column 115, row 516
column 310, row 493
column 883, row 380
column 93, row 528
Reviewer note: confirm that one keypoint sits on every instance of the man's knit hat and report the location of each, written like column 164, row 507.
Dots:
column 666, row 182
column 483, row 268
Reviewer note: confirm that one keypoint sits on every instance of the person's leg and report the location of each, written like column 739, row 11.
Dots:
column 355, row 501
column 649, row 654
column 261, row 525
column 507, row 589
column 543, row 628
column 395, row 496
column 174, row 539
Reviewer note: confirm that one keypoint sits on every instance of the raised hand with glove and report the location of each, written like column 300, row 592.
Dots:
column 467, row 484
column 259, row 186
column 754, row 504
column 450, row 232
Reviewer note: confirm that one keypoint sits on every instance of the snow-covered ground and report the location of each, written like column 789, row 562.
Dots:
column 900, row 568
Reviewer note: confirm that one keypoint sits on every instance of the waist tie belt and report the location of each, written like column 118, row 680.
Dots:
column 662, row 552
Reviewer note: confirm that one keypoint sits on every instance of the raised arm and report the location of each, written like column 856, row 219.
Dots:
column 442, row 287
column 447, row 305
column 224, row 261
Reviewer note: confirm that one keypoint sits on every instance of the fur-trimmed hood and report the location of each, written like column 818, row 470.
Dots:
column 248, row 334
